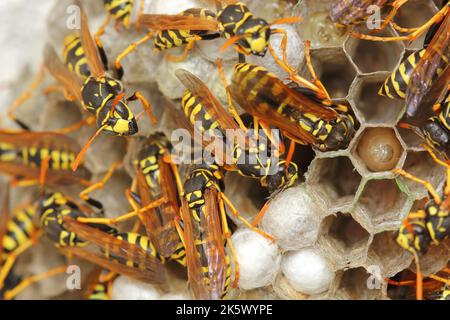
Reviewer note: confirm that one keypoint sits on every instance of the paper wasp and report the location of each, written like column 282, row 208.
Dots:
column 127, row 253
column 156, row 177
column 233, row 21
column 249, row 156
column 40, row 157
column 304, row 111
column 204, row 231
column 100, row 95
column 422, row 77
column 428, row 226
column 17, row 234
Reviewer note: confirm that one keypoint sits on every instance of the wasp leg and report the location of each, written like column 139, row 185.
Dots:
column 188, row 47
column 84, row 195
column 76, row 126
column 290, row 153
column 168, row 159
column 279, row 146
column 145, row 103
column 132, row 47
column 402, row 29
column 12, row 257
column 419, row 278
column 99, row 44
column 44, row 168
column 411, row 36
column 261, row 214
column 441, row 163
column 227, row 234
column 242, row 219
column 27, row 94
column 440, row 279
column 231, row 107
column 395, row 6
column 11, row 294
column 126, row 216
column 294, row 76
column 426, row 184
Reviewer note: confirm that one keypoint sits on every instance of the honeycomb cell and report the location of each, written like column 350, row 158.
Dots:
column 414, row 14
column 421, row 165
column 372, row 56
column 371, row 107
column 334, row 69
column 354, row 285
column 382, row 202
column 344, row 238
column 334, row 180
column 378, row 149
column 317, row 26
column 389, row 254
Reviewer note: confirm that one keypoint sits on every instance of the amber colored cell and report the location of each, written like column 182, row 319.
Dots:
column 380, row 149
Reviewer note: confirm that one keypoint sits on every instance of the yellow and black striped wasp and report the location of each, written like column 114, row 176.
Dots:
column 428, row 226
column 157, row 177
column 40, row 157
column 422, row 71
column 234, row 21
column 205, row 230
column 304, row 112
column 18, row 233
column 251, row 157
column 101, row 95
column 127, row 253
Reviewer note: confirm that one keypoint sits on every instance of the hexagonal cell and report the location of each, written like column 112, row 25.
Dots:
column 333, row 179
column 317, row 25
column 382, row 201
column 392, row 257
column 334, row 69
column 421, row 165
column 345, row 237
column 378, row 149
column 353, row 285
column 373, row 108
column 372, row 56
column 413, row 14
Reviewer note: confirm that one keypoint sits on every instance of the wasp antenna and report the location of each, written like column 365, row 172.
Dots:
column 230, row 42
column 80, row 156
column 287, row 20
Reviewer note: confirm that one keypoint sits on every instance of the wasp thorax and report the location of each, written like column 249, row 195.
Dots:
column 380, row 149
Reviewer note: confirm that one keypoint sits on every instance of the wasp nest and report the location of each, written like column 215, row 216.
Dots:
column 334, row 230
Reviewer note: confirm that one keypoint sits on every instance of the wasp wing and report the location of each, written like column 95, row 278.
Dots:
column 61, row 73
column 177, row 22
column 212, row 105
column 148, row 268
column 430, row 70
column 205, row 250
column 89, row 46
column 159, row 222
column 265, row 111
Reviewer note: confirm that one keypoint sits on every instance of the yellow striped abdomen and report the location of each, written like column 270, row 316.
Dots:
column 75, row 57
